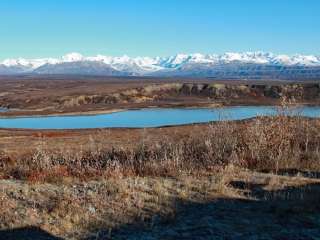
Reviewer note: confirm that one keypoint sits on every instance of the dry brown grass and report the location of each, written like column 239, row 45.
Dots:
column 262, row 144
column 159, row 187
column 100, row 209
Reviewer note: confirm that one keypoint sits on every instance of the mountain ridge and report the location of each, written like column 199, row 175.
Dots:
column 231, row 65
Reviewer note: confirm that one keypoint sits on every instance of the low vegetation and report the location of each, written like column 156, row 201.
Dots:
column 269, row 144
column 38, row 96
column 215, row 92
column 212, row 183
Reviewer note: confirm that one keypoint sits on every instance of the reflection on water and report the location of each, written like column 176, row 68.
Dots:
column 149, row 118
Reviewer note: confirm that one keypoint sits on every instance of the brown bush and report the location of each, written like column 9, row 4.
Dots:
column 268, row 143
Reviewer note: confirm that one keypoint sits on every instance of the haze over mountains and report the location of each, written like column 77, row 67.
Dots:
column 248, row 65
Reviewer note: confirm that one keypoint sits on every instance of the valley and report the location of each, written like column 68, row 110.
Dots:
column 159, row 120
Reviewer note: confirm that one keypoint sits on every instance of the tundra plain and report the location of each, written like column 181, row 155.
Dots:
column 250, row 179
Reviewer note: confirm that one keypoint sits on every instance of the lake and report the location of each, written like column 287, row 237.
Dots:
column 145, row 118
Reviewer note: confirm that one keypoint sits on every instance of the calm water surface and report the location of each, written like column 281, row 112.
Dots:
column 148, row 118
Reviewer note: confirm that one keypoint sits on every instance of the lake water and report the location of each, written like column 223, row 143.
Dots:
column 148, row 118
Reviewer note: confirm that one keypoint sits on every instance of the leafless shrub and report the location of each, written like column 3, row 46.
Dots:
column 268, row 143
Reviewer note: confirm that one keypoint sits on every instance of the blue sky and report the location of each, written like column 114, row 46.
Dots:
column 51, row 28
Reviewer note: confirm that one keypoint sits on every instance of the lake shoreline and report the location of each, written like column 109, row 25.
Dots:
column 93, row 96
column 20, row 113
column 152, row 117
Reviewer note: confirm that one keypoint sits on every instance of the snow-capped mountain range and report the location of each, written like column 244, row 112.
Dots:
column 228, row 65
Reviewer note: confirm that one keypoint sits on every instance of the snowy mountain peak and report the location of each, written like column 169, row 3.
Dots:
column 72, row 57
column 194, row 63
column 14, row 62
